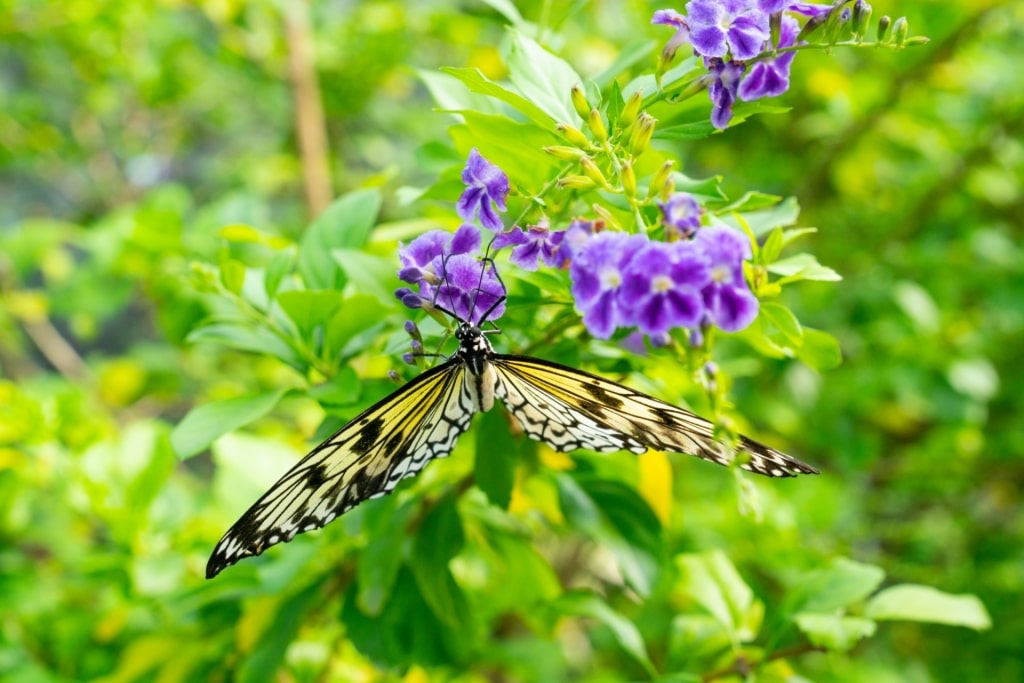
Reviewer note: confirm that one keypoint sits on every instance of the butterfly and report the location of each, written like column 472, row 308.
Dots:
column 395, row 438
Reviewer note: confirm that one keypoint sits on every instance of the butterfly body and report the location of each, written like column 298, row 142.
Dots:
column 567, row 409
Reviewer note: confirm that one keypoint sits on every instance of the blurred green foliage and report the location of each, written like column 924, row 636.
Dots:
column 138, row 139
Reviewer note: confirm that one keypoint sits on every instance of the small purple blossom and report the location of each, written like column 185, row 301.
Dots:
column 681, row 214
column 531, row 245
column 469, row 289
column 487, row 187
column 721, row 27
column 448, row 274
column 730, row 304
column 770, row 78
column 773, row 6
column 670, row 17
column 809, row 9
column 597, row 272
column 723, row 90
column 662, row 287
column 634, row 342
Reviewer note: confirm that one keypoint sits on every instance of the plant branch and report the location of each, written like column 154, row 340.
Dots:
column 743, row 666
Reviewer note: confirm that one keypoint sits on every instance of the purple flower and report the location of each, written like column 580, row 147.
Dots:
column 662, row 287
column 486, row 184
column 448, row 274
column 723, row 91
column 730, row 305
column 770, row 78
column 720, row 27
column 773, row 6
column 681, row 214
column 809, row 9
column 670, row 17
column 418, row 257
column 469, row 289
column 634, row 342
column 531, row 245
column 597, row 272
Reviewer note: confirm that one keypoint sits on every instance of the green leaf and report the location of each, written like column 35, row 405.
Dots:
column 281, row 630
column 784, row 321
column 381, row 559
column 764, row 213
column 309, row 309
column 542, row 77
column 494, row 468
column 712, row 581
column 626, row 633
column 478, row 83
column 913, row 602
column 631, row 54
column 633, row 553
column 841, row 584
column 280, row 265
column 342, row 388
column 803, row 267
column 696, row 636
column 246, row 338
column 207, row 422
column 820, row 350
column 232, row 275
column 369, row 274
column 515, row 147
column 346, row 223
column 772, row 246
column 834, row 632
column 358, row 316
column 439, row 538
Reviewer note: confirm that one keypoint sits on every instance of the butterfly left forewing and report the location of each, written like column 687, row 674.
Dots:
column 569, row 409
column 365, row 459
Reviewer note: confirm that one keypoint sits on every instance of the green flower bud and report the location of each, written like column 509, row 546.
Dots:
column 640, row 138
column 861, row 19
column 899, row 31
column 576, row 182
column 628, row 176
column 597, row 126
column 591, row 170
column 631, row 109
column 579, row 102
column 661, row 178
column 565, row 153
column 884, row 24
column 573, row 135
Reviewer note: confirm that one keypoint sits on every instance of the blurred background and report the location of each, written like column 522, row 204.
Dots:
column 132, row 132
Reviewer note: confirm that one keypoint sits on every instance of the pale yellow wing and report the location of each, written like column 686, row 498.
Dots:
column 569, row 409
column 366, row 458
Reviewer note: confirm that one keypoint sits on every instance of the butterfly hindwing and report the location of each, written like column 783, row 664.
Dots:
column 366, row 458
column 569, row 409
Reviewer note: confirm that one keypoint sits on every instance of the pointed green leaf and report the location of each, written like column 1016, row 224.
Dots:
column 542, row 77
column 346, row 223
column 834, row 632
column 913, row 602
column 207, row 422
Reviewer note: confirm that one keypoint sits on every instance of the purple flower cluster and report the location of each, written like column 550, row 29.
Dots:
column 449, row 275
column 622, row 280
column 618, row 280
column 487, row 188
column 728, row 33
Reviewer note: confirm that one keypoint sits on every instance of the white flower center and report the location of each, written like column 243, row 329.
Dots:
column 661, row 283
column 611, row 278
column 721, row 274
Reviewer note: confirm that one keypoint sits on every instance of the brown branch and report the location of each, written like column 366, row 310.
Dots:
column 743, row 666
column 56, row 349
column 309, row 108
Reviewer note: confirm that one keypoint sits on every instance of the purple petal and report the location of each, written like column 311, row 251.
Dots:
column 465, row 240
column 488, row 217
column 731, row 308
column 527, row 256
column 601, row 318
column 709, row 41
column 747, row 36
column 669, row 17
column 687, row 307
column 513, row 237
column 468, row 202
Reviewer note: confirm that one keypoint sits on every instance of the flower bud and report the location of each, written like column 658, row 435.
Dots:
column 573, row 135
column 631, row 109
column 579, row 101
column 628, row 176
column 861, row 19
column 591, row 170
column 883, row 29
column 576, row 182
column 597, row 126
column 565, row 153
column 606, row 219
column 640, row 138
column 660, row 180
column 413, row 330
column 899, row 31
column 395, row 377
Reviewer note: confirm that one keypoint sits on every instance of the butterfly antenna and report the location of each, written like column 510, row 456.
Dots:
column 437, row 292
column 487, row 260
